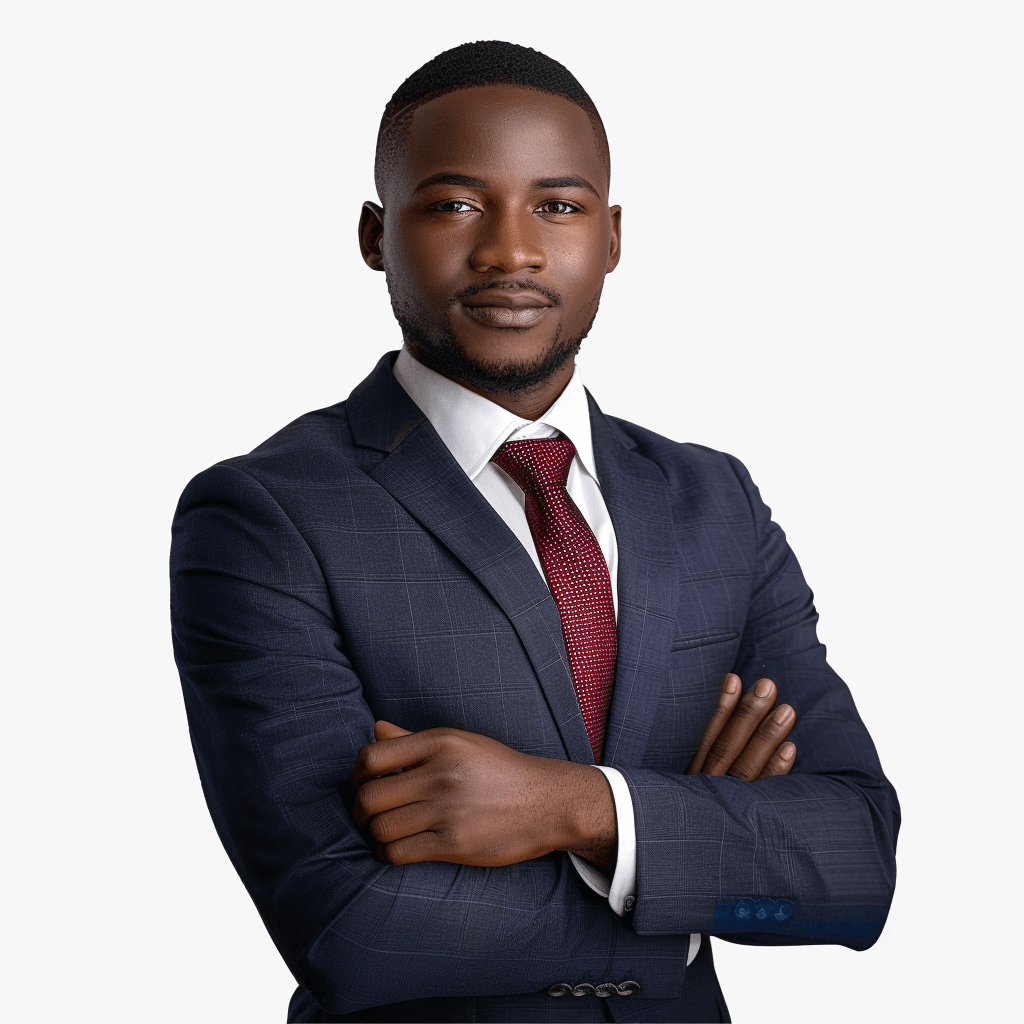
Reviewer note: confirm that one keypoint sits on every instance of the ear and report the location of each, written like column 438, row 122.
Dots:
column 371, row 235
column 614, row 249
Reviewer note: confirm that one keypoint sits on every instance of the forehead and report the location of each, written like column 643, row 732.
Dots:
column 501, row 132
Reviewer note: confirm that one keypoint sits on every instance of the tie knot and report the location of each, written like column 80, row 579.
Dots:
column 538, row 464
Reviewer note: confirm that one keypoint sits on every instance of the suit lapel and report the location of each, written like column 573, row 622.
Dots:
column 422, row 476
column 637, row 496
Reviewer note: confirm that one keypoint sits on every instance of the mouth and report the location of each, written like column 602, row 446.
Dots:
column 506, row 308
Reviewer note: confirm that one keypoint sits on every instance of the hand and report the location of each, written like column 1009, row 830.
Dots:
column 744, row 737
column 467, row 799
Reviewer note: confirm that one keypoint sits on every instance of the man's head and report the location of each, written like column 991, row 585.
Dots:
column 495, row 233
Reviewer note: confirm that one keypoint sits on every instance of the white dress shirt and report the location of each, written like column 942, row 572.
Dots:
column 473, row 428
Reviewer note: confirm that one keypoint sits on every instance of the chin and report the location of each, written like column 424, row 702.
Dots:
column 512, row 372
column 508, row 348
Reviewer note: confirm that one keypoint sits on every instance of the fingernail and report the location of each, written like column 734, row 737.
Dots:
column 763, row 687
column 732, row 684
column 783, row 714
column 787, row 751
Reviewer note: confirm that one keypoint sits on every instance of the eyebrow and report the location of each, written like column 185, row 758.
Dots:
column 566, row 183
column 470, row 182
column 451, row 179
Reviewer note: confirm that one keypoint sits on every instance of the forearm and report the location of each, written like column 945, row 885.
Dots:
column 358, row 933
column 819, row 842
column 709, row 846
column 496, row 931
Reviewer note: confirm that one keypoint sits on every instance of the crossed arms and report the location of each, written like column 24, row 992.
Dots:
column 278, row 719
column 456, row 796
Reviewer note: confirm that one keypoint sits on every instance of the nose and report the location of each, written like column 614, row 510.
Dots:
column 509, row 241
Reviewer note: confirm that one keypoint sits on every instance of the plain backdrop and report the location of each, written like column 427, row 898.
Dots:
column 822, row 258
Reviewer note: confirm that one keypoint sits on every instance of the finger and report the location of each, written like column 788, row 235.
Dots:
column 412, row 849
column 377, row 796
column 750, row 761
column 402, row 822
column 732, row 688
column 388, row 755
column 387, row 731
column 757, row 702
column 780, row 762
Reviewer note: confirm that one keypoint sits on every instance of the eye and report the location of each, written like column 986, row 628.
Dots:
column 559, row 207
column 453, row 206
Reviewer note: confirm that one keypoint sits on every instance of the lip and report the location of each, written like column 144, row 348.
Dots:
column 506, row 308
column 506, row 300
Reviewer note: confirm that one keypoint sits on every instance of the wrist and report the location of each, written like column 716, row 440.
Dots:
column 588, row 818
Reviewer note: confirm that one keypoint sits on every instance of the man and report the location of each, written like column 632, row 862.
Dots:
column 453, row 650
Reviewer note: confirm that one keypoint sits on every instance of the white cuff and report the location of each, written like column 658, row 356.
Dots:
column 623, row 882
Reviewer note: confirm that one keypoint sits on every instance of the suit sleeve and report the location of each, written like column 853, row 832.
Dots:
column 277, row 716
column 804, row 858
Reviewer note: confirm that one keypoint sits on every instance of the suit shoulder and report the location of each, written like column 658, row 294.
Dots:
column 682, row 458
column 319, row 430
column 699, row 477
column 316, row 446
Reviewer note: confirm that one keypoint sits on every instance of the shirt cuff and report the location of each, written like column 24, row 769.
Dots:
column 622, row 884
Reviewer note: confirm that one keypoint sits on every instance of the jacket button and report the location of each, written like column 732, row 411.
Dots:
column 584, row 988
column 629, row 904
column 628, row 988
column 744, row 909
column 561, row 989
column 785, row 910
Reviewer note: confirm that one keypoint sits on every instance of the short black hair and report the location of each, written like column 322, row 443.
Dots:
column 489, row 62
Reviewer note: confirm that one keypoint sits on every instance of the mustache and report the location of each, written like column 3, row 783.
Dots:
column 513, row 286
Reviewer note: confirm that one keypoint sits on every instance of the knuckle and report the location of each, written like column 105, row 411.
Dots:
column 717, row 752
column 741, row 770
column 380, row 829
column 451, row 839
column 390, row 853
column 368, row 798
column 752, row 707
column 359, row 803
column 453, row 773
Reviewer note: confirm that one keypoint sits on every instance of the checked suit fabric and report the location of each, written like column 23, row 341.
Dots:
column 575, row 568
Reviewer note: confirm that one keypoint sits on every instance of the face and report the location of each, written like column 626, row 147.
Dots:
column 496, row 236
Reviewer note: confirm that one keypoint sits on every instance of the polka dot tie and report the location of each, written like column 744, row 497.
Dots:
column 575, row 568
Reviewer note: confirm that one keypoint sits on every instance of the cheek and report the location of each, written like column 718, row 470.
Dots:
column 426, row 264
column 580, row 267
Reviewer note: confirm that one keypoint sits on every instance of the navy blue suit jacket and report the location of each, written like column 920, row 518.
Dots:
column 348, row 570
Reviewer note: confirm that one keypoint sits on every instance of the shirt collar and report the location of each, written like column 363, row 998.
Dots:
column 473, row 428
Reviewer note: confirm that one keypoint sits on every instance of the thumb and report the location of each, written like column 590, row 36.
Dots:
column 386, row 731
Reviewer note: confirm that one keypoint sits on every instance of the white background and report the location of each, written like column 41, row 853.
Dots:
column 821, row 270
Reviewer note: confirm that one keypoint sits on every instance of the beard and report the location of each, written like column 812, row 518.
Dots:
column 441, row 352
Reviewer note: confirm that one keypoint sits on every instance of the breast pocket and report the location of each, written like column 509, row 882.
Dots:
column 686, row 641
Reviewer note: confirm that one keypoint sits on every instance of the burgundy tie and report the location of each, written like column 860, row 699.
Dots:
column 575, row 568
